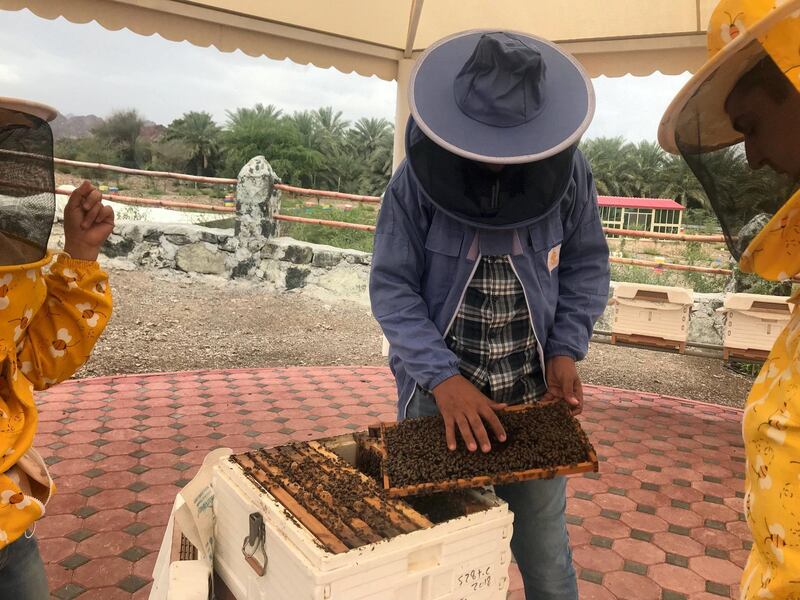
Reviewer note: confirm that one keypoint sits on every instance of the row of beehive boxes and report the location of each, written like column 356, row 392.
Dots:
column 652, row 315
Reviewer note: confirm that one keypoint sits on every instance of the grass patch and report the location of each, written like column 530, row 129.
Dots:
column 365, row 214
column 700, row 282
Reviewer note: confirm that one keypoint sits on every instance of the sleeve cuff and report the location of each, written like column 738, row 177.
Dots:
column 556, row 349
column 83, row 266
column 451, row 372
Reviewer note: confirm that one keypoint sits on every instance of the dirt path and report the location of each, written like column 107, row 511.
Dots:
column 165, row 321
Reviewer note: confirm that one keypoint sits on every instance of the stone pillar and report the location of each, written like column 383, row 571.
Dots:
column 257, row 202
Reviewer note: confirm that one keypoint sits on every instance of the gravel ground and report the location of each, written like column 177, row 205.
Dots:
column 165, row 321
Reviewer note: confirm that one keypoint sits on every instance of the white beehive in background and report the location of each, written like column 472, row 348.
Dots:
column 466, row 558
column 651, row 315
column 752, row 324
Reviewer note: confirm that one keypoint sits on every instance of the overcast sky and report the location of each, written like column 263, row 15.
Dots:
column 84, row 69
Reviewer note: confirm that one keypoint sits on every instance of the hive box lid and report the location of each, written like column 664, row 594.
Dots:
column 758, row 302
column 653, row 293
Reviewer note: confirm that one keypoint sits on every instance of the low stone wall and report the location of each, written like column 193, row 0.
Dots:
column 289, row 264
column 285, row 263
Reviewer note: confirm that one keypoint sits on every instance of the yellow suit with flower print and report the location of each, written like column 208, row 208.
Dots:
column 775, row 252
column 48, row 326
column 771, row 429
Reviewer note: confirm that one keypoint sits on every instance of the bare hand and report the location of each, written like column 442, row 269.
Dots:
column 564, row 384
column 462, row 405
column 87, row 223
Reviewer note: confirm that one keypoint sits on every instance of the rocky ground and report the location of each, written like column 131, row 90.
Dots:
column 166, row 321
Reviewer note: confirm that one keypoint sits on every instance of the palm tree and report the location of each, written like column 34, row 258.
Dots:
column 259, row 112
column 331, row 122
column 646, row 163
column 306, row 124
column 611, row 161
column 378, row 168
column 679, row 182
column 199, row 132
column 329, row 139
column 367, row 134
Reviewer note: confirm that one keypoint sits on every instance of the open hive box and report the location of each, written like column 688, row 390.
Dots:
column 543, row 440
column 301, row 521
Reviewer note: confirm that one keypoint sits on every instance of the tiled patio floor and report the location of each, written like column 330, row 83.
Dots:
column 661, row 520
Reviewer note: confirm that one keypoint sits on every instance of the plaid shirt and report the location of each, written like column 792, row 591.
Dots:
column 493, row 337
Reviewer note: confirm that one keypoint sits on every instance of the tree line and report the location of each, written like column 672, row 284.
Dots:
column 645, row 170
column 320, row 149
column 315, row 148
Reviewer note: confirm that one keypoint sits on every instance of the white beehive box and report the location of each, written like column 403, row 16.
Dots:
column 651, row 315
column 752, row 324
column 465, row 558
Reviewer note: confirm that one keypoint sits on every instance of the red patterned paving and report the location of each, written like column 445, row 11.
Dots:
column 662, row 519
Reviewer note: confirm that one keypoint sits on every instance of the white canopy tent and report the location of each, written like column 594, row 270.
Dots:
column 383, row 37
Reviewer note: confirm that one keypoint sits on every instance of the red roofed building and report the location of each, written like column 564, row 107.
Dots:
column 658, row 215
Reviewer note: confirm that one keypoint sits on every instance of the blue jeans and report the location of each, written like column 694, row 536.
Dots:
column 540, row 541
column 22, row 575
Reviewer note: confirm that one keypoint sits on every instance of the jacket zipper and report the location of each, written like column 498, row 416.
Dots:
column 463, row 293
column 450, row 324
column 539, row 349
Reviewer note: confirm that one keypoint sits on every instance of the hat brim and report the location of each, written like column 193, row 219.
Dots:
column 710, row 87
column 567, row 113
column 41, row 111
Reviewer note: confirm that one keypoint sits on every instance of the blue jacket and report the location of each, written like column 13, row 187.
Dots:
column 424, row 259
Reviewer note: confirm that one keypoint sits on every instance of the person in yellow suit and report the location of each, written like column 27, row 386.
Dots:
column 51, row 314
column 745, row 103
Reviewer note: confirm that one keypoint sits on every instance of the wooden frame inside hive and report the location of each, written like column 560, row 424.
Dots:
column 315, row 507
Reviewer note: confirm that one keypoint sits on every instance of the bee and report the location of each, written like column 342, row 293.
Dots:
column 761, row 470
column 71, row 277
column 24, row 319
column 11, row 497
column 58, row 347
column 776, row 424
column 4, row 288
column 766, row 579
column 89, row 314
column 22, row 322
column 776, row 539
column 735, row 26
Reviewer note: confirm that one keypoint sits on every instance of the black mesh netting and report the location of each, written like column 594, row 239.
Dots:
column 471, row 192
column 27, row 196
column 742, row 199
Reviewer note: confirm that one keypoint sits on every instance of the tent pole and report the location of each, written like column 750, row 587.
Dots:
column 402, row 111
